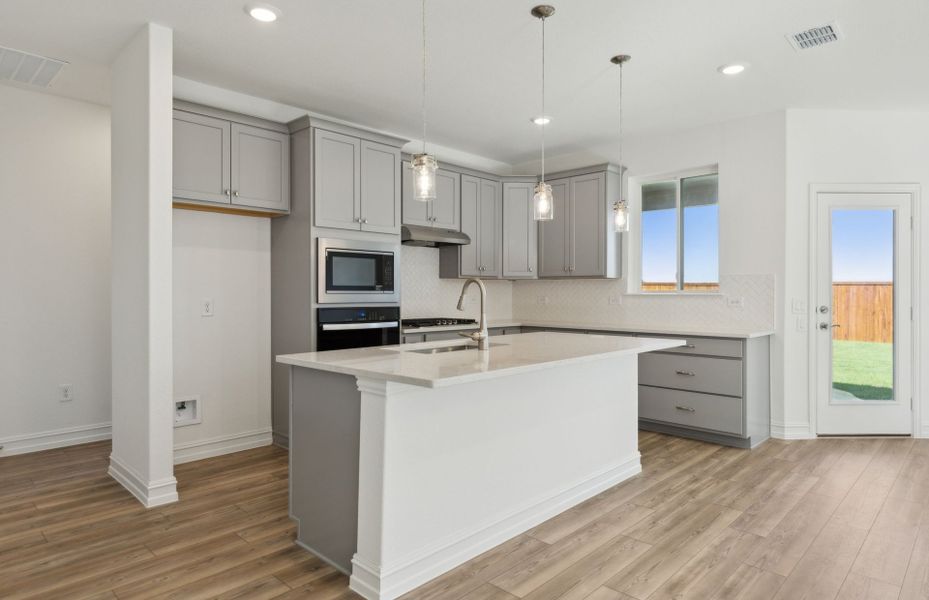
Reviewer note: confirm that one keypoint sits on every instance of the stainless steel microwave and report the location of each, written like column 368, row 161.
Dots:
column 357, row 271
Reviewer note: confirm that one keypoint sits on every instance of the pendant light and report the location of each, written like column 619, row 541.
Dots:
column 424, row 165
column 543, row 205
column 621, row 207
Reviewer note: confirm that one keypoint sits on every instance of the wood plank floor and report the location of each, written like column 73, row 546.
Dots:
column 831, row 518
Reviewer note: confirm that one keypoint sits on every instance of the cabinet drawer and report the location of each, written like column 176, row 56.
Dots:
column 694, row 373
column 708, row 346
column 705, row 411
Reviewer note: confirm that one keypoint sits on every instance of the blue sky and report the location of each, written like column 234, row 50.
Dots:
column 701, row 244
column 862, row 245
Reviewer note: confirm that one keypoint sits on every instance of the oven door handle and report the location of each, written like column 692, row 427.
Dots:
column 353, row 326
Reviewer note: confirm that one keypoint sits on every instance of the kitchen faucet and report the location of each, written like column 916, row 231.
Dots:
column 480, row 336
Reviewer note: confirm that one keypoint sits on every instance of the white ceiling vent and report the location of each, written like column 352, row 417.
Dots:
column 815, row 36
column 30, row 69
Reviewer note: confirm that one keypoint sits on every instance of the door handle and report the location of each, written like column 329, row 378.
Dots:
column 827, row 326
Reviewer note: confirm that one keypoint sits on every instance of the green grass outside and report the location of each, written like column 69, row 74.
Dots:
column 863, row 369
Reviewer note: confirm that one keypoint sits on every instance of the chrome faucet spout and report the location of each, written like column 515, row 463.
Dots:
column 481, row 336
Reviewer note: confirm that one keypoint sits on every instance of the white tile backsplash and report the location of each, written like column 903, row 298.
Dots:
column 598, row 301
column 424, row 294
column 589, row 301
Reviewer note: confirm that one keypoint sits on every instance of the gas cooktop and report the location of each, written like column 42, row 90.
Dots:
column 436, row 322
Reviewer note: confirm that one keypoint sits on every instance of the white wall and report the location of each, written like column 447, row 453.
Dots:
column 224, row 359
column 829, row 146
column 425, row 295
column 55, row 268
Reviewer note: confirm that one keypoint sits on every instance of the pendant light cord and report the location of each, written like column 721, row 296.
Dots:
column 621, row 167
column 424, row 74
column 543, row 100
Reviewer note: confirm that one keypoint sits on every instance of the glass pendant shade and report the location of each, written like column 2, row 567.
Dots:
column 543, row 203
column 621, row 216
column 424, row 167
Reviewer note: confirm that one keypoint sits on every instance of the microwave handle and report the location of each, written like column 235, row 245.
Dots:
column 351, row 326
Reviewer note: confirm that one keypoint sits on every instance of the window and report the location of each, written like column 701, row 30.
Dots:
column 680, row 234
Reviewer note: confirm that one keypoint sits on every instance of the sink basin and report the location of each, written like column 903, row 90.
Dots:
column 442, row 349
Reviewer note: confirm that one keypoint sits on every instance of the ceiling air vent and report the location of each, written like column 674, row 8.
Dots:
column 30, row 69
column 815, row 36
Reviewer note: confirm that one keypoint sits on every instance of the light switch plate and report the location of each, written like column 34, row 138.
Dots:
column 798, row 306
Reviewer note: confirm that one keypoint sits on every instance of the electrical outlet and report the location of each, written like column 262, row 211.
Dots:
column 615, row 300
column 65, row 392
column 542, row 300
column 735, row 301
column 206, row 307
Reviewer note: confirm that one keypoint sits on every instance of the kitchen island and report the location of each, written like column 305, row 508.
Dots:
column 407, row 461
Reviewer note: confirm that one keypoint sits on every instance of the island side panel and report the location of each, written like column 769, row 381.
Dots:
column 324, row 445
column 451, row 472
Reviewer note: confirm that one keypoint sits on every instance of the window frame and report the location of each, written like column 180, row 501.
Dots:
column 635, row 250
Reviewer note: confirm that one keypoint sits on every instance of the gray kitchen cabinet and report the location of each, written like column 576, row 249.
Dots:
column 337, row 181
column 581, row 241
column 227, row 160
column 553, row 235
column 712, row 389
column 202, row 158
column 380, row 188
column 520, row 231
column 482, row 220
column 356, row 183
column 260, row 168
column 444, row 211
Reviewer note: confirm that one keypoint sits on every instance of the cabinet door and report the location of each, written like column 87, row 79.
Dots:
column 260, row 168
column 380, row 187
column 587, row 218
column 520, row 231
column 337, row 175
column 201, row 158
column 490, row 217
column 446, row 208
column 470, row 210
column 553, row 235
column 414, row 212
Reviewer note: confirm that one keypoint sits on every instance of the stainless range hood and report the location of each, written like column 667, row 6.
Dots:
column 433, row 237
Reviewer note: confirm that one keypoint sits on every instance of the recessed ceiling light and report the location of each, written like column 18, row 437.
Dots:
column 263, row 12
column 541, row 120
column 732, row 69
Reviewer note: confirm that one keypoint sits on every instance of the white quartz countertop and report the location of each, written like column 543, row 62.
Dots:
column 648, row 329
column 507, row 355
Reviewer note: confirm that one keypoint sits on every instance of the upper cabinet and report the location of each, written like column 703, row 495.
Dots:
column 581, row 241
column 357, row 183
column 230, row 164
column 444, row 211
column 482, row 220
column 520, row 231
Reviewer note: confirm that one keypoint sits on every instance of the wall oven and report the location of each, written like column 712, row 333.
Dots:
column 357, row 271
column 357, row 327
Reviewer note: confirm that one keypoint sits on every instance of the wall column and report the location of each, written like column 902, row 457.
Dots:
column 142, row 459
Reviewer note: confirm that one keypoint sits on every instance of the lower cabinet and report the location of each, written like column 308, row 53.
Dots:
column 721, row 395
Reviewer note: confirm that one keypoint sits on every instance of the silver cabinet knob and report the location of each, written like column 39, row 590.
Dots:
column 227, row 192
column 236, row 193
column 530, row 269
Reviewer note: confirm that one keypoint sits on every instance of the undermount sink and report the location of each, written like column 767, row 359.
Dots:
column 441, row 349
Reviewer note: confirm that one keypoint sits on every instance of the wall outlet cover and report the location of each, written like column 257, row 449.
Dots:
column 735, row 301
column 207, row 307
column 615, row 300
column 65, row 392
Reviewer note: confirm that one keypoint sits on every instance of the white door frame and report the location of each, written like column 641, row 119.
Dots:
column 913, row 190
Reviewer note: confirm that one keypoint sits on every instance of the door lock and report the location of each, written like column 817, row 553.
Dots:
column 823, row 309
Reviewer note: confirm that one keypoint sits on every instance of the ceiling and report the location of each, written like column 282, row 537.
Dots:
column 359, row 60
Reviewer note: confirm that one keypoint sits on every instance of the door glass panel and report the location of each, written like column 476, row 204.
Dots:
column 862, row 305
column 659, row 236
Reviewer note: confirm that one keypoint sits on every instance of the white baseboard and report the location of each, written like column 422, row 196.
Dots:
column 57, row 438
column 226, row 444
column 150, row 494
column 392, row 581
column 792, row 431
column 281, row 439
column 924, row 431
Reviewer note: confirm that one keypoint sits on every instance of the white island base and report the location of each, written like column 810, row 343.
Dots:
column 449, row 471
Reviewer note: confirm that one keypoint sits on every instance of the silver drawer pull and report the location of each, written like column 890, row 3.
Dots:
column 691, row 346
column 687, row 373
column 686, row 408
